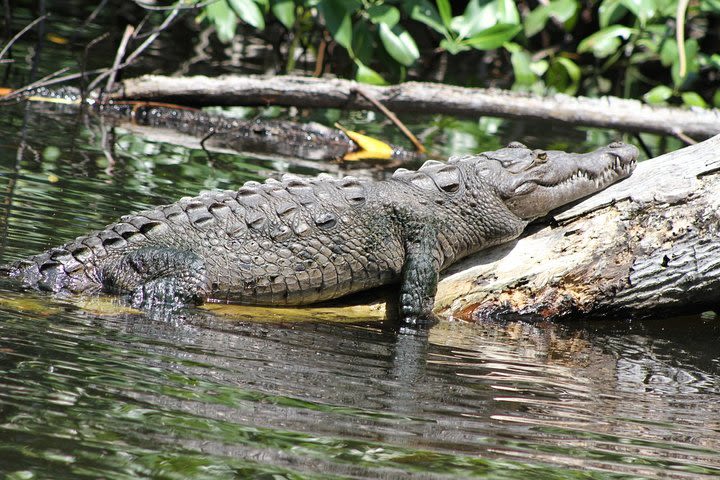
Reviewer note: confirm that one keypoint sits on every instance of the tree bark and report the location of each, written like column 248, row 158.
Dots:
column 607, row 112
column 644, row 246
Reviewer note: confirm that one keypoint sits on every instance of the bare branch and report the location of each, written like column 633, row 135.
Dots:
column 129, row 30
column 20, row 34
column 136, row 53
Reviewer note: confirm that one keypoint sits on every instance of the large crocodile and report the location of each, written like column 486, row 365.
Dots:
column 299, row 241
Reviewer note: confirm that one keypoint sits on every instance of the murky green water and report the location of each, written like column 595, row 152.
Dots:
column 87, row 394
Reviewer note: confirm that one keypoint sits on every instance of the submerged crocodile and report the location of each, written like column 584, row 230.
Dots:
column 299, row 241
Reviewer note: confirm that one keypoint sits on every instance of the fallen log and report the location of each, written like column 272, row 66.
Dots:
column 606, row 112
column 645, row 246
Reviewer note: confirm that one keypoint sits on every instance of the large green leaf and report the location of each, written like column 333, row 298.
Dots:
column 221, row 15
column 337, row 21
column 284, row 10
column 493, row 37
column 249, row 12
column 606, row 41
column 399, row 44
column 424, row 12
column 386, row 14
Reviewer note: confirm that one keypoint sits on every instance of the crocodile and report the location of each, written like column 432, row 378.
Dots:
column 299, row 241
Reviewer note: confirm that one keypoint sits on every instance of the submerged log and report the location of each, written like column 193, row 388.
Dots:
column 607, row 112
column 645, row 246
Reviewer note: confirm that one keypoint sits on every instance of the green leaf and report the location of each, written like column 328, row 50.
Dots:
column 642, row 9
column 284, row 11
column 366, row 74
column 362, row 42
column 507, row 12
column 476, row 18
column 564, row 75
column 337, row 21
column 658, row 95
column 716, row 98
column 445, row 11
column 536, row 20
column 224, row 19
column 249, row 12
column 424, row 12
column 399, row 44
column 668, row 52
column 710, row 6
column 520, row 61
column 714, row 60
column 606, row 41
column 384, row 14
column 610, row 12
column 693, row 99
column 493, row 37
column 539, row 67
column 563, row 10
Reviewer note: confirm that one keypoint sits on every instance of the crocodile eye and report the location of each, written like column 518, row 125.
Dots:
column 540, row 156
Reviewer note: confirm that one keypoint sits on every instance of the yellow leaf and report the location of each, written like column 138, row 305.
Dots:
column 369, row 147
column 57, row 39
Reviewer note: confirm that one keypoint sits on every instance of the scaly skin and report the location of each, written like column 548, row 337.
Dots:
column 300, row 241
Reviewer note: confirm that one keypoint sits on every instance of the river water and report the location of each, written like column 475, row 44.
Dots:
column 92, row 390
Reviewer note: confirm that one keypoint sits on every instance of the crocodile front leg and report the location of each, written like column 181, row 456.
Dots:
column 419, row 278
column 158, row 276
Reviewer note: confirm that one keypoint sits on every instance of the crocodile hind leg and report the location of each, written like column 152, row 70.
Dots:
column 158, row 276
column 419, row 278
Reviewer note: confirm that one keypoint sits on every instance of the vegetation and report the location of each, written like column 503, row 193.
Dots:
column 662, row 50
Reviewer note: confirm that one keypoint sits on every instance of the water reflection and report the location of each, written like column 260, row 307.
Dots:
column 343, row 399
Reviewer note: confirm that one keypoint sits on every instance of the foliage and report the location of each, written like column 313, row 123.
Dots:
column 623, row 47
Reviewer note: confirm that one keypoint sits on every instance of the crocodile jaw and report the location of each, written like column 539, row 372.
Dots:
column 564, row 178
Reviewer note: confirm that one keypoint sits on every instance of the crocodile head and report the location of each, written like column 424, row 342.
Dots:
column 534, row 182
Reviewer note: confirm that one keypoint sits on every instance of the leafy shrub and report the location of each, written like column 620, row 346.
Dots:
column 629, row 48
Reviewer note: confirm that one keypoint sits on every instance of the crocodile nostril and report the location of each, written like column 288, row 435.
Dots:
column 616, row 145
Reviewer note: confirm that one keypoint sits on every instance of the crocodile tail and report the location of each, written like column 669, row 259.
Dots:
column 54, row 270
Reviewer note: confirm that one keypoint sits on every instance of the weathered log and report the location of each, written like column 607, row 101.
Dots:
column 644, row 246
column 607, row 112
